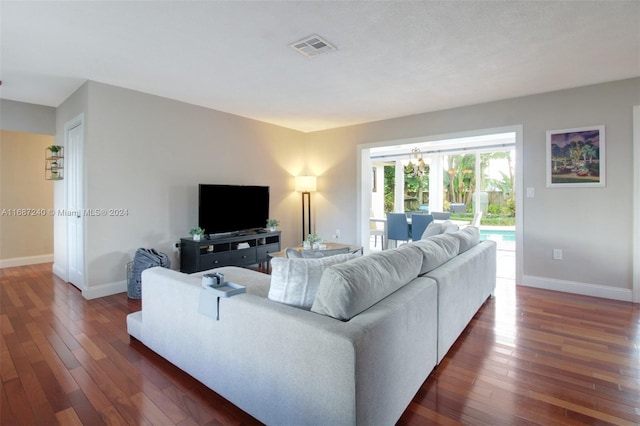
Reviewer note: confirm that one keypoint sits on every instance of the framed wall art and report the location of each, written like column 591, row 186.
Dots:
column 576, row 157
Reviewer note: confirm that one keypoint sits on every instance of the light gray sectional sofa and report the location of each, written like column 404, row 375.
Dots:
column 377, row 326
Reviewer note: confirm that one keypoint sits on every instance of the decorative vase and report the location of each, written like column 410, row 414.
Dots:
column 196, row 237
column 272, row 228
column 316, row 246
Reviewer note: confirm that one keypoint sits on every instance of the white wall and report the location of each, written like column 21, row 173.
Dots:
column 591, row 225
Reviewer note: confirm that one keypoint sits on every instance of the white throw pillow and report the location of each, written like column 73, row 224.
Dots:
column 295, row 281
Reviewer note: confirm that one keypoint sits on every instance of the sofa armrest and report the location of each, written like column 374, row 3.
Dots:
column 464, row 284
column 397, row 351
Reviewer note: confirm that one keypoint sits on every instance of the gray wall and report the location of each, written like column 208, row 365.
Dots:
column 71, row 108
column 591, row 225
column 27, row 118
column 147, row 154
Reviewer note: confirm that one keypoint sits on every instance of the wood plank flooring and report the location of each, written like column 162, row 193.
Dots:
column 528, row 357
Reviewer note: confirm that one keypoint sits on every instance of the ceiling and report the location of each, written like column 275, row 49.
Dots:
column 393, row 58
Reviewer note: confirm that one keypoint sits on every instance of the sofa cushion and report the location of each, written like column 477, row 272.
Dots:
column 437, row 250
column 347, row 289
column 295, row 281
column 434, row 228
column 468, row 237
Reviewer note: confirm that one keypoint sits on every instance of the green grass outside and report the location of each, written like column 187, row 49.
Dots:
column 490, row 219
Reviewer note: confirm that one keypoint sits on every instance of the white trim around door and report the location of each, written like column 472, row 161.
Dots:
column 636, row 205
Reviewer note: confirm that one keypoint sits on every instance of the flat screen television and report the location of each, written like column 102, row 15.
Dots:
column 230, row 208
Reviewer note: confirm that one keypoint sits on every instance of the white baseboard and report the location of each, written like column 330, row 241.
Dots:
column 59, row 272
column 89, row 293
column 103, row 290
column 23, row 261
column 585, row 289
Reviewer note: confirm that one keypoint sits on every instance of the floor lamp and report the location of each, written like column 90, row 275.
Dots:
column 306, row 185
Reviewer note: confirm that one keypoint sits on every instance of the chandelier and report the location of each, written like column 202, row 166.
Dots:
column 416, row 167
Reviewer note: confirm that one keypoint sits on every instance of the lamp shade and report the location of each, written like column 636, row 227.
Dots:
column 305, row 183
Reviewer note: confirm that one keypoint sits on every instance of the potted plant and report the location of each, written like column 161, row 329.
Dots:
column 314, row 240
column 272, row 224
column 54, row 150
column 197, row 233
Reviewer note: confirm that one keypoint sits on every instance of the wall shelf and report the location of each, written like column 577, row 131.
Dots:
column 54, row 164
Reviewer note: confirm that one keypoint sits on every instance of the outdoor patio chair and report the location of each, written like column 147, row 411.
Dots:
column 398, row 227
column 419, row 223
column 441, row 215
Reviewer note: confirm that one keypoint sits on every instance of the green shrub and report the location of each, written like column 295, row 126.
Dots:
column 493, row 209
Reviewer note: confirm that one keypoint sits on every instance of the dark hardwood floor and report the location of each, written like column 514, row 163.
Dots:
column 528, row 357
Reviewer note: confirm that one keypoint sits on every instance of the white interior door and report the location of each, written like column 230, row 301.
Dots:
column 75, row 201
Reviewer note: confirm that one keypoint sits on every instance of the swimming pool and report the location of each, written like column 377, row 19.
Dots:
column 498, row 234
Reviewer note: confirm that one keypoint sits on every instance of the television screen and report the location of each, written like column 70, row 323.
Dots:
column 230, row 208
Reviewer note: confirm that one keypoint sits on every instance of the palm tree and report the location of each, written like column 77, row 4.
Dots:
column 576, row 154
column 589, row 151
column 460, row 178
column 556, row 156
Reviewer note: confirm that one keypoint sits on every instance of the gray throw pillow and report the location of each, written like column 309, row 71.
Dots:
column 292, row 253
column 314, row 254
column 449, row 227
column 434, row 228
column 468, row 237
column 349, row 288
column 436, row 251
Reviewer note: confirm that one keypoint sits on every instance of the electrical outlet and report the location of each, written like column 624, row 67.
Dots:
column 531, row 192
column 557, row 254
column 337, row 234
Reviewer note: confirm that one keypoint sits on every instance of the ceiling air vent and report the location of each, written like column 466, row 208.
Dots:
column 313, row 46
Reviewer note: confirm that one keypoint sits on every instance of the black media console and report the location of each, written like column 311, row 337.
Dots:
column 238, row 249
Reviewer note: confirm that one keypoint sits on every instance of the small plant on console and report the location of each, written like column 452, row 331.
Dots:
column 197, row 233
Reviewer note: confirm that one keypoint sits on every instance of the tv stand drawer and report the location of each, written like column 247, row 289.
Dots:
column 214, row 260
column 263, row 251
column 243, row 256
